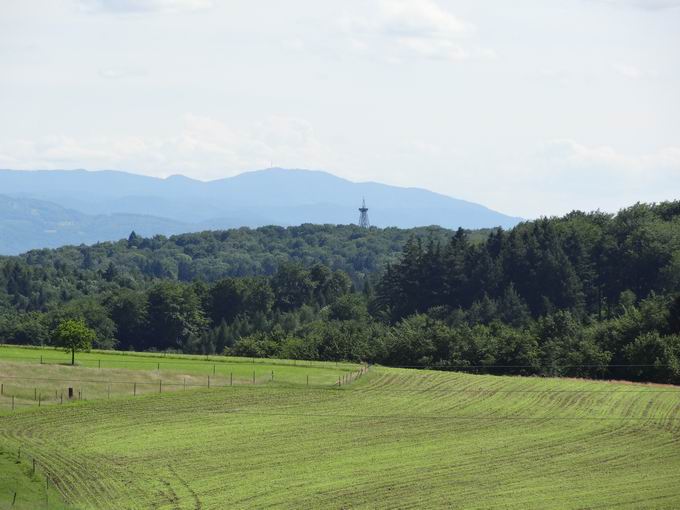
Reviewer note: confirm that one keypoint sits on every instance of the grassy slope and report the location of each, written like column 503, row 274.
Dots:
column 195, row 364
column 394, row 438
column 21, row 489
column 24, row 377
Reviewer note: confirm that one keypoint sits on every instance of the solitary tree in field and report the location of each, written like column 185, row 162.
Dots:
column 74, row 335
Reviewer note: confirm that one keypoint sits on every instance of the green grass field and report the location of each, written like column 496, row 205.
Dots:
column 392, row 438
column 41, row 376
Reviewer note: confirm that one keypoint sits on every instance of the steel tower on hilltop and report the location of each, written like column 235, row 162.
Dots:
column 363, row 218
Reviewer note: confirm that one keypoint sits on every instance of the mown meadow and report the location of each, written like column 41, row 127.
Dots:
column 392, row 438
column 42, row 376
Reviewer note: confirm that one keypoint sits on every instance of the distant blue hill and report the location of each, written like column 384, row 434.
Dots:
column 27, row 223
column 102, row 205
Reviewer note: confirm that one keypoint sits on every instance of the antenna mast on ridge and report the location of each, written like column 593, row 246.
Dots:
column 363, row 218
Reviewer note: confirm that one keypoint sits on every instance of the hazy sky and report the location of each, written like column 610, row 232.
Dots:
column 531, row 107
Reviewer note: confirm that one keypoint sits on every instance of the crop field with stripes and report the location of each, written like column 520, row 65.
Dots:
column 392, row 438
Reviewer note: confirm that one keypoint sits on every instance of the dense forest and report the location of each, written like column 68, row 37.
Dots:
column 212, row 255
column 587, row 294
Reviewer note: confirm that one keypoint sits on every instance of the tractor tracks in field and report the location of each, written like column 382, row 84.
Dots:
column 185, row 484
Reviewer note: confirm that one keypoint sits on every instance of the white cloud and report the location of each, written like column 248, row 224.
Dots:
column 562, row 175
column 204, row 148
column 628, row 71
column 412, row 29
column 601, row 176
column 127, row 6
column 634, row 72
column 649, row 5
column 117, row 73
column 575, row 154
column 421, row 19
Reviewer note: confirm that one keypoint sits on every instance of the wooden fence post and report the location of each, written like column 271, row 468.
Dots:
column 208, row 382
column 134, row 390
column 160, row 385
column 231, row 378
column 253, row 376
column 307, row 380
column 12, row 402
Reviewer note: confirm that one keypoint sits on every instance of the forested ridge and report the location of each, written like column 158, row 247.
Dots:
column 211, row 255
column 587, row 294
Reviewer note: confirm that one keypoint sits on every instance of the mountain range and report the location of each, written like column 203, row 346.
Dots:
column 49, row 208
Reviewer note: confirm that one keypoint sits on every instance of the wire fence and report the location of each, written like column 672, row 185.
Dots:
column 154, row 360
column 36, row 469
column 20, row 398
column 158, row 360
column 537, row 366
column 51, row 492
column 14, row 396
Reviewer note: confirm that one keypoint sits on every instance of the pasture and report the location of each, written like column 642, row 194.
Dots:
column 42, row 376
column 393, row 438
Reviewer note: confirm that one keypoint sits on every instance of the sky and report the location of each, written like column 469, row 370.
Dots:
column 530, row 107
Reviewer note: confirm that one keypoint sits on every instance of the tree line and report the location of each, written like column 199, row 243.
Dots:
column 586, row 294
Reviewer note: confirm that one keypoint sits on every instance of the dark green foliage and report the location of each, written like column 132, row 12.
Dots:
column 566, row 349
column 349, row 307
column 93, row 314
column 73, row 335
column 175, row 316
column 414, row 340
column 586, row 295
column 657, row 358
column 293, row 286
column 129, row 311
column 674, row 316
column 25, row 328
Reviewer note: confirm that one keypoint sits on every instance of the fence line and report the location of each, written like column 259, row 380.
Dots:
column 39, row 397
column 342, row 381
column 536, row 367
column 36, row 468
column 154, row 360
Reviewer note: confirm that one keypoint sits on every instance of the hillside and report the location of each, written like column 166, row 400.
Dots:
column 211, row 255
column 591, row 295
column 392, row 438
column 27, row 224
column 266, row 197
